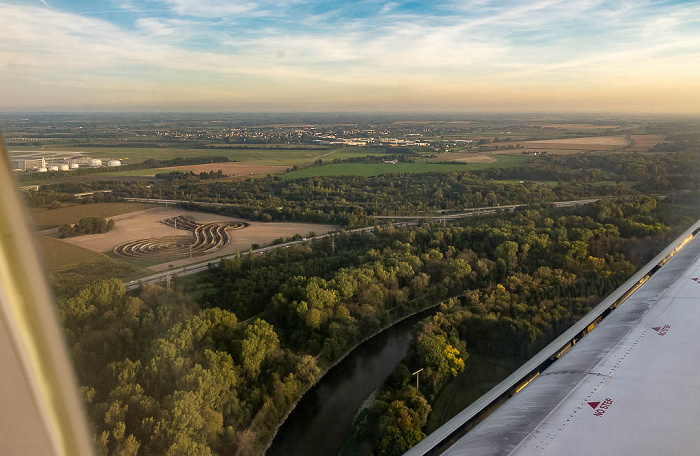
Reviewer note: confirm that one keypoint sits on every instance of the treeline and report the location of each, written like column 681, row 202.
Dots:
column 350, row 201
column 191, row 176
column 87, row 225
column 162, row 376
column 672, row 168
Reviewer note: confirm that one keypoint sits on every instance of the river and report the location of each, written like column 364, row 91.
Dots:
column 322, row 420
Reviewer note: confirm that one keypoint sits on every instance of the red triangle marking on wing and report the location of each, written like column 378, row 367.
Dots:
column 695, row 279
column 656, row 328
column 594, row 405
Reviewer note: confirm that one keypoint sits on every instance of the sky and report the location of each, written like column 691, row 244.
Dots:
column 365, row 55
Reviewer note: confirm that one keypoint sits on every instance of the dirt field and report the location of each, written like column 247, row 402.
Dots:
column 599, row 142
column 570, row 144
column 579, row 127
column 642, row 143
column 47, row 218
column 466, row 157
column 146, row 224
column 231, row 169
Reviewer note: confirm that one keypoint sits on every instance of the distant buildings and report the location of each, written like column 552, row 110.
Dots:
column 27, row 163
column 51, row 161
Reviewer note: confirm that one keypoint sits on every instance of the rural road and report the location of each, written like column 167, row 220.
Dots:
column 410, row 220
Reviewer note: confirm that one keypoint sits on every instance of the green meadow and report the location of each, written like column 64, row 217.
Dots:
column 375, row 169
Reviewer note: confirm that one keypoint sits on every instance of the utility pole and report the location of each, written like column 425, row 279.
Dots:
column 416, row 373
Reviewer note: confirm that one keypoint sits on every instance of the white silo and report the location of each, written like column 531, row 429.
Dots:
column 95, row 162
column 113, row 163
column 42, row 169
column 53, row 168
column 74, row 166
column 63, row 167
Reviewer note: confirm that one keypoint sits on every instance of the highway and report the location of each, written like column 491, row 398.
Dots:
column 481, row 210
column 409, row 220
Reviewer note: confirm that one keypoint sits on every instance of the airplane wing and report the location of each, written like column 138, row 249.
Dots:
column 628, row 387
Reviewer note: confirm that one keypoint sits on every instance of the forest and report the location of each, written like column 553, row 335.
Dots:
column 166, row 374
column 214, row 363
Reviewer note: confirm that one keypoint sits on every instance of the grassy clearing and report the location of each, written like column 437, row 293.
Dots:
column 67, row 282
column 45, row 218
column 502, row 161
column 60, row 255
column 481, row 373
column 71, row 268
column 374, row 169
column 198, row 295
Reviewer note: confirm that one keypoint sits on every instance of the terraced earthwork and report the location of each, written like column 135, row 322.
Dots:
column 204, row 238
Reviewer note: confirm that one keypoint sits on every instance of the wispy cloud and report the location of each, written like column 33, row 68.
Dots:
column 269, row 50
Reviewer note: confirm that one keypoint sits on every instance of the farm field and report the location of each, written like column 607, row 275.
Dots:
column 525, row 133
column 642, row 143
column 577, row 145
column 257, row 155
column 147, row 224
column 580, row 127
column 467, row 157
column 571, row 144
column 45, row 218
column 375, row 169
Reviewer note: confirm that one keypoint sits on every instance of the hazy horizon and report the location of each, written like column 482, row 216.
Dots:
column 450, row 56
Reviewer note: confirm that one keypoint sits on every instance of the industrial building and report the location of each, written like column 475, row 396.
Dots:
column 47, row 161
column 27, row 163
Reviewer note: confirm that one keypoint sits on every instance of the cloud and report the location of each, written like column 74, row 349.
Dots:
column 210, row 8
column 288, row 50
column 227, row 8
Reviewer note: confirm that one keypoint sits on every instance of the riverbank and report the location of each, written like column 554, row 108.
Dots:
column 481, row 373
column 328, row 371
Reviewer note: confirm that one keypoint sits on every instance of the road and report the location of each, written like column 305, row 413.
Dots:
column 410, row 220
column 480, row 210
